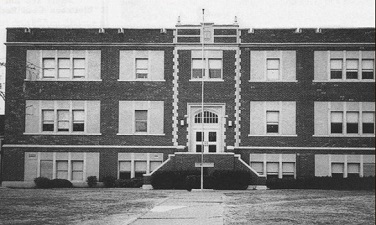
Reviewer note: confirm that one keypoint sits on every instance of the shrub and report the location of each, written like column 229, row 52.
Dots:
column 324, row 183
column 231, row 179
column 171, row 179
column 109, row 181
column 61, row 183
column 92, row 181
column 129, row 183
column 42, row 182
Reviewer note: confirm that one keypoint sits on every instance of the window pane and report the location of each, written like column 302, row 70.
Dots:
column 272, row 116
column 63, row 114
column 353, row 168
column 154, row 165
column 272, row 128
column 272, row 74
column 62, row 175
column 212, row 148
column 79, row 72
column 336, row 64
column 124, row 175
column 198, row 148
column 141, row 63
column 49, row 63
column 77, row 165
column 64, row 63
column 369, row 169
column 63, row 126
column 352, row 64
column 215, row 73
column 212, row 136
column 335, row 74
column 49, row 73
column 258, row 166
column 197, row 64
column 337, row 168
column 272, row 167
column 76, row 175
column 288, row 167
column 64, row 73
column 125, row 166
column 198, row 136
column 352, row 75
column 79, row 63
column 336, row 117
column 197, row 73
column 46, row 167
column 48, row 115
column 368, row 123
column 141, row 114
column 78, row 115
column 62, row 165
column 215, row 64
column 140, row 166
column 352, row 122
column 367, row 64
column 48, row 127
column 367, row 75
column 273, row 64
column 368, row 117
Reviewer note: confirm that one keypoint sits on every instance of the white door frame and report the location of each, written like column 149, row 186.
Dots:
column 217, row 108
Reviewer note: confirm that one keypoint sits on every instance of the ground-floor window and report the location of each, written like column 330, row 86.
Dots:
column 274, row 165
column 133, row 165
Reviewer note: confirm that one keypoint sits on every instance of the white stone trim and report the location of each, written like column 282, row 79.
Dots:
column 237, row 97
column 89, row 146
column 175, row 89
column 305, row 148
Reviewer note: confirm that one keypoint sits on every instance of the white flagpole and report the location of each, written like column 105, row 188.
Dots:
column 202, row 100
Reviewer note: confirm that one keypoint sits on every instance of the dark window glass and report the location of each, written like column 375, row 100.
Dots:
column 78, row 127
column 214, row 73
column 352, row 128
column 335, row 74
column 351, row 75
column 139, row 174
column 367, row 75
column 198, row 136
column 48, row 127
column 336, row 128
column 124, row 175
column 272, row 176
column 272, row 128
column 197, row 73
column 198, row 148
column 212, row 136
column 212, row 148
column 368, row 128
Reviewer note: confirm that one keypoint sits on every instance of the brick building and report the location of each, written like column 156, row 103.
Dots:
column 126, row 102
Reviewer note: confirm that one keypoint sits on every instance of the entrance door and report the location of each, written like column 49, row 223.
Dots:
column 210, row 142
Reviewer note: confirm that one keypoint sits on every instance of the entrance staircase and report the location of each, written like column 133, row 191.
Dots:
column 187, row 161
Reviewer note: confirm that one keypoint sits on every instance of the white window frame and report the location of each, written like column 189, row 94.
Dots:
column 280, row 162
column 142, row 69
column 71, row 67
column 368, row 70
column 273, row 123
column 206, row 68
column 72, row 170
column 133, row 159
column 268, row 69
column 344, row 123
column 147, row 122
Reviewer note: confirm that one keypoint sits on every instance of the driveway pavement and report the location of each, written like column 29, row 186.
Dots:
column 194, row 207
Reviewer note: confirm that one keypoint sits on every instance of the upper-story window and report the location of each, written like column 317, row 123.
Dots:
column 141, row 65
column 209, row 67
column 272, row 66
column 65, row 120
column 344, row 66
column 272, row 122
column 63, row 65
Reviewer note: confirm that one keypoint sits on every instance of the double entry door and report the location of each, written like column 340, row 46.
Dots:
column 206, row 141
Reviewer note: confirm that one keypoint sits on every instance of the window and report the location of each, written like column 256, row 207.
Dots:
column 64, row 68
column 124, row 169
column 209, row 117
column 273, row 67
column 46, row 168
column 48, row 120
column 353, row 170
column 288, row 169
column 63, row 120
column 336, row 68
column 272, row 170
column 336, row 119
column 258, row 166
column 141, row 120
column 352, row 68
column 62, row 169
column 367, row 69
column 368, row 122
column 214, row 66
column 337, row 170
column 78, row 67
column 140, row 168
column 272, row 121
column 141, row 68
column 49, row 67
column 78, row 120
column 352, row 122
column 77, row 170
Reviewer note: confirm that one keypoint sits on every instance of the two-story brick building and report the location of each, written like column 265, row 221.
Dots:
column 125, row 102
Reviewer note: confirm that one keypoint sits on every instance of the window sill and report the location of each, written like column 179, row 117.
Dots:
column 343, row 81
column 272, row 81
column 58, row 80
column 64, row 134
column 343, row 135
column 272, row 135
column 140, row 134
column 207, row 80
column 140, row 80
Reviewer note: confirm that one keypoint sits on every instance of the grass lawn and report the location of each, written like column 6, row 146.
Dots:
column 75, row 206
column 300, row 207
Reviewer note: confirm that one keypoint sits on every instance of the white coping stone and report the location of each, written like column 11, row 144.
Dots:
column 166, row 208
column 147, row 187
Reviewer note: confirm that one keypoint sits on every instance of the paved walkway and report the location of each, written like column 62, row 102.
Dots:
column 194, row 207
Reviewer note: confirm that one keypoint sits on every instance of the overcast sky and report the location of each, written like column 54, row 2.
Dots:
column 164, row 13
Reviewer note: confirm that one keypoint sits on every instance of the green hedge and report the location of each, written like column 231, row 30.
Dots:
column 219, row 180
column 324, row 183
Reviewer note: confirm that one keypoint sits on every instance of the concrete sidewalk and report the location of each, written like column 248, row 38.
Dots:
column 194, row 207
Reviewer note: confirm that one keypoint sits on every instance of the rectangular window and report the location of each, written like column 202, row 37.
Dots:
column 258, row 166
column 353, row 170
column 78, row 68
column 273, row 67
column 272, row 122
column 368, row 69
column 336, row 68
column 62, row 169
column 154, row 165
column 197, row 68
column 48, row 119
column 64, row 68
column 215, row 68
column 288, row 169
column 336, row 120
column 141, row 68
column 139, row 168
column 272, row 170
column 352, row 68
column 124, row 169
column 141, row 120
column 337, row 170
column 63, row 120
column 46, row 168
column 49, row 67
column 78, row 120
column 77, row 170
column 368, row 122
column 352, row 122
